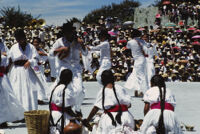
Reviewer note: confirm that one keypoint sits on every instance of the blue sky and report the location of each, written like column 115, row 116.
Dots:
column 57, row 11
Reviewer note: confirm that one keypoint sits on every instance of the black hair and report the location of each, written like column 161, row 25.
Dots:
column 65, row 78
column 106, row 78
column 136, row 33
column 158, row 80
column 19, row 33
column 0, row 57
column 37, row 38
column 68, row 27
column 104, row 34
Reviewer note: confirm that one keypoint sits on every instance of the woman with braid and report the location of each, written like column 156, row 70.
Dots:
column 61, row 102
column 114, row 101
column 159, row 109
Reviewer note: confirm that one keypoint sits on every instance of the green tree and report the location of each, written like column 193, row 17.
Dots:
column 123, row 11
column 14, row 17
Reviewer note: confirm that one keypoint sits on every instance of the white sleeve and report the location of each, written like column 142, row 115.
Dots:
column 151, row 95
column 35, row 57
column 128, row 46
column 98, row 102
column 123, row 96
column 98, row 47
column 69, row 99
column 55, row 46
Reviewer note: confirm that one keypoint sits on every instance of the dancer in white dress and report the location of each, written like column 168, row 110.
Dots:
column 105, row 53
column 23, row 79
column 152, row 52
column 11, row 109
column 39, row 70
column 61, row 102
column 67, row 51
column 138, row 78
column 115, row 103
column 159, row 109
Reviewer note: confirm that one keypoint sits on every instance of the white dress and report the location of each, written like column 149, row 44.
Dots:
column 25, row 82
column 138, row 78
column 57, row 98
column 151, row 118
column 11, row 109
column 105, row 124
column 39, row 70
column 72, row 62
column 150, row 62
column 105, row 58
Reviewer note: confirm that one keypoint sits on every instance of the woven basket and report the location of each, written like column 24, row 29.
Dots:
column 37, row 121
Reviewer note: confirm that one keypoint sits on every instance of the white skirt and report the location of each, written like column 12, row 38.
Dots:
column 105, row 124
column 138, row 78
column 150, row 70
column 25, row 85
column 11, row 109
column 41, row 91
column 151, row 120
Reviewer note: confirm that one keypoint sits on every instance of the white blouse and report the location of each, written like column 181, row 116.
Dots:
column 74, row 55
column 57, row 97
column 30, row 53
column 135, row 47
column 104, row 48
column 153, row 96
column 110, row 99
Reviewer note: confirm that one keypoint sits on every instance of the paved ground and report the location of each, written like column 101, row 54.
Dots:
column 187, row 109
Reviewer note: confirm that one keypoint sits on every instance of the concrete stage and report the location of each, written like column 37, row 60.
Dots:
column 187, row 109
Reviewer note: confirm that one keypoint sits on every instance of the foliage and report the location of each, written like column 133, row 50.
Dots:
column 74, row 19
column 123, row 11
column 14, row 17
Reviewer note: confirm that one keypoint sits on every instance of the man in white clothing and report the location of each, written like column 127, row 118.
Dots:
column 138, row 78
column 105, row 53
column 67, row 51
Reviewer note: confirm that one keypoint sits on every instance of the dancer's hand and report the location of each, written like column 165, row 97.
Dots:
column 4, row 53
column 86, row 123
column 60, row 49
column 27, row 65
column 80, row 41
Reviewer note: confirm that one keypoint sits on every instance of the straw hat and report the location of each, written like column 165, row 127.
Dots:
column 165, row 75
column 181, row 67
column 157, row 66
column 194, row 52
column 112, row 41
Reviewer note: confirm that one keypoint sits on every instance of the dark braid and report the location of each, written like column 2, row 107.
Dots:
column 106, row 78
column 119, row 114
column 0, row 58
column 109, row 114
column 65, row 78
column 158, row 80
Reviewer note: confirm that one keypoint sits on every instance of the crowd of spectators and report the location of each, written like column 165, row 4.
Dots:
column 181, row 12
column 178, row 48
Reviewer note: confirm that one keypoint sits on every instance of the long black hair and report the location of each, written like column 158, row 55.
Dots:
column 65, row 78
column 0, row 57
column 106, row 78
column 158, row 80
